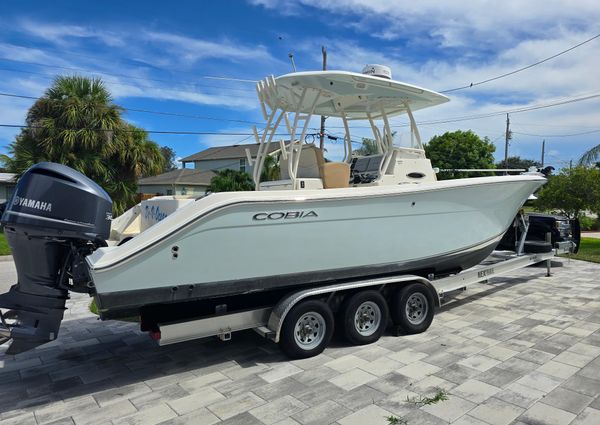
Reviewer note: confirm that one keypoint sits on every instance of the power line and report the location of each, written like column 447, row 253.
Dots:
column 523, row 68
column 514, row 110
column 200, row 117
column 138, row 86
column 433, row 122
column 148, row 111
column 496, row 113
column 51, row 76
column 558, row 135
column 65, row 53
column 202, row 133
column 70, row 68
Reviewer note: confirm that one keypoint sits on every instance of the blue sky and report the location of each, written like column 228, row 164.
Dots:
column 157, row 55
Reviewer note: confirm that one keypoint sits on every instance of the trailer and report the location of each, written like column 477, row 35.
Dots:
column 302, row 322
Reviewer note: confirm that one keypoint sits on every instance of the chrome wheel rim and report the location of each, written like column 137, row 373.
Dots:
column 367, row 318
column 416, row 308
column 309, row 331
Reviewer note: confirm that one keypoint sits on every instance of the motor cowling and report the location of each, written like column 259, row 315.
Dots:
column 55, row 217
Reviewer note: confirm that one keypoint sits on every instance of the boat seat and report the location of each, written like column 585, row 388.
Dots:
column 366, row 169
column 335, row 175
column 309, row 165
column 312, row 165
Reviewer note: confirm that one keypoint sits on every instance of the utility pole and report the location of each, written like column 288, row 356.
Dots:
column 322, row 132
column 507, row 138
column 543, row 148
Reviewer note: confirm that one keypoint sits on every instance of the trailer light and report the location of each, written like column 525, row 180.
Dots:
column 154, row 335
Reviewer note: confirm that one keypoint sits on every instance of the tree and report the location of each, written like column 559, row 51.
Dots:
column 369, row 147
column 460, row 150
column 519, row 163
column 169, row 157
column 231, row 181
column 271, row 170
column 571, row 192
column 75, row 123
column 590, row 157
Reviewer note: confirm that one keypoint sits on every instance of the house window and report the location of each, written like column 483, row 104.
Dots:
column 169, row 192
column 243, row 164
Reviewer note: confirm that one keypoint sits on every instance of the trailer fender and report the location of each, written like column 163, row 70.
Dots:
column 283, row 307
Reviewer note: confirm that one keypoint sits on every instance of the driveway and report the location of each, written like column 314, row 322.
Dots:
column 522, row 349
column 8, row 273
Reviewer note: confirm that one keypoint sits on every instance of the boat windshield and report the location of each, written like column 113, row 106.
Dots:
column 404, row 138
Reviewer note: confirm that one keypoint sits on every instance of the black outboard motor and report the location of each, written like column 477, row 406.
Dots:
column 55, row 218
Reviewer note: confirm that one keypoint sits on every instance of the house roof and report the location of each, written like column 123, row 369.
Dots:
column 8, row 177
column 229, row 152
column 182, row 176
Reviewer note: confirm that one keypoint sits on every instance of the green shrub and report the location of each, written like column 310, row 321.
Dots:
column 589, row 223
column 586, row 222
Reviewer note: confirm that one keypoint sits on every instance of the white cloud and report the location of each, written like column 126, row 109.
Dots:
column 64, row 34
column 192, row 50
column 130, row 89
column 27, row 54
column 453, row 23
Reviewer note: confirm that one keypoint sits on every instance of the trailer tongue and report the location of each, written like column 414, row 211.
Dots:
column 55, row 217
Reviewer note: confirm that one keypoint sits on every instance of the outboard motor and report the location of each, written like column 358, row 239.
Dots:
column 55, row 218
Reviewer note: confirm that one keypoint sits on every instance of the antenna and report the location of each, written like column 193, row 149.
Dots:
column 322, row 131
column 291, row 56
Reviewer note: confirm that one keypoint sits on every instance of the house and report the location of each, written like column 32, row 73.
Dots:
column 177, row 182
column 195, row 181
column 7, row 186
column 226, row 157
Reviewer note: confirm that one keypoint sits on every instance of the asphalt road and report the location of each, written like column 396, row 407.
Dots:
column 8, row 275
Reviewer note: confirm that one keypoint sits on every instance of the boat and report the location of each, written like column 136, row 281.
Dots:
column 323, row 221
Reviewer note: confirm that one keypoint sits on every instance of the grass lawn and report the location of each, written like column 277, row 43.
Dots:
column 4, row 248
column 588, row 251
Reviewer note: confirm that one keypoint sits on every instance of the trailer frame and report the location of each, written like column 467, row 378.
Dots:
column 268, row 321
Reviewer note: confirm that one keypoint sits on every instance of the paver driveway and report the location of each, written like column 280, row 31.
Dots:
column 520, row 349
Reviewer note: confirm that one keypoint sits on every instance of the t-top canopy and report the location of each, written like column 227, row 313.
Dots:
column 346, row 93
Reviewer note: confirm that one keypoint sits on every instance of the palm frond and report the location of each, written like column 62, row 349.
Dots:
column 591, row 156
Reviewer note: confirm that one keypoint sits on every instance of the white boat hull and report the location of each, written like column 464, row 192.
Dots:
column 231, row 243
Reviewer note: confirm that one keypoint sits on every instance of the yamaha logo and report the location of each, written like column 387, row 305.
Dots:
column 32, row 203
column 283, row 215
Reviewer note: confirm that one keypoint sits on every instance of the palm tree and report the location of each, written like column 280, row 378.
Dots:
column 231, row 181
column 590, row 157
column 77, row 124
column 368, row 147
column 271, row 170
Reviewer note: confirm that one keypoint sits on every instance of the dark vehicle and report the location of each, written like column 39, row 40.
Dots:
column 561, row 229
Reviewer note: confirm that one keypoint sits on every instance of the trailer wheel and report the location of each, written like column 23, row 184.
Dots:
column 413, row 308
column 364, row 317
column 307, row 329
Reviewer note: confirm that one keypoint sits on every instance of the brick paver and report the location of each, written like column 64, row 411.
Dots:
column 521, row 349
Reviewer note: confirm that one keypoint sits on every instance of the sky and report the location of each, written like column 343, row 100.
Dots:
column 165, row 56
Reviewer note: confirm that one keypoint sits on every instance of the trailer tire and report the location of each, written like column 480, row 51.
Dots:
column 307, row 329
column 412, row 308
column 364, row 317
